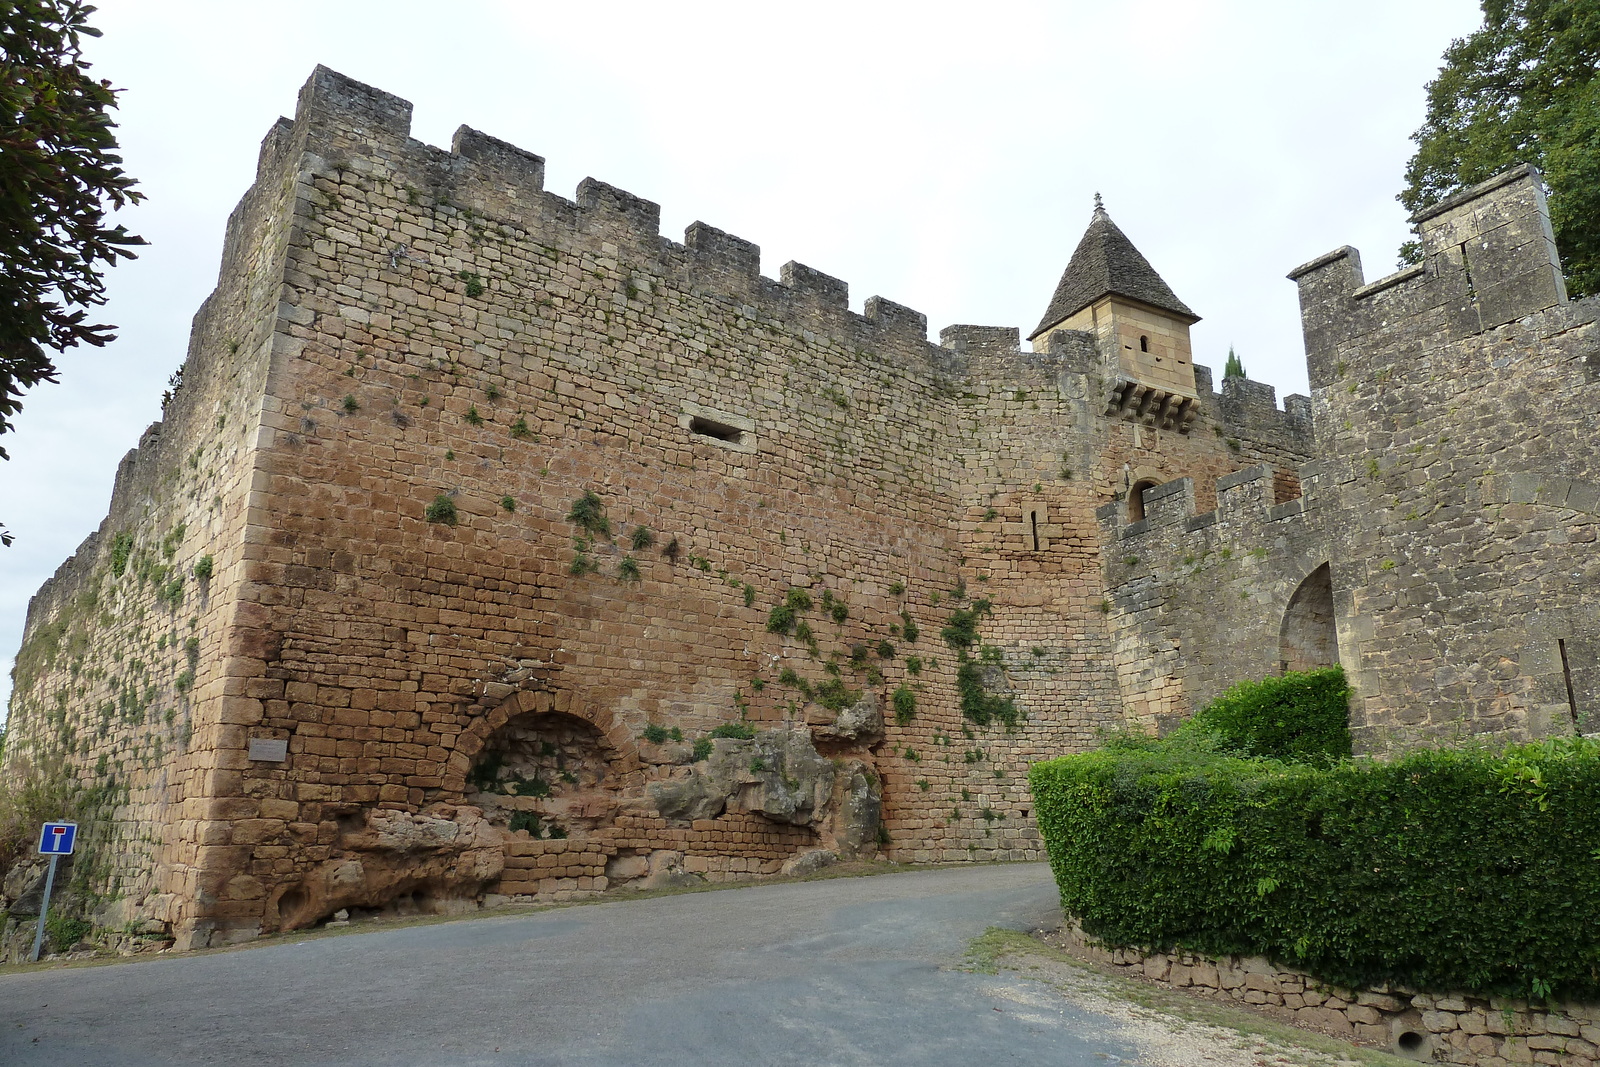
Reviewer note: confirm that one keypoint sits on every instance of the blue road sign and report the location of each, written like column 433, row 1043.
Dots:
column 56, row 838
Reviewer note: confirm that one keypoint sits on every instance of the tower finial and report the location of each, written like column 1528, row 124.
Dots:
column 1098, row 206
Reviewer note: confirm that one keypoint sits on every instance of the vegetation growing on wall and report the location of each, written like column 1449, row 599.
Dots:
column 588, row 512
column 441, row 510
column 1468, row 870
column 45, row 789
column 978, row 704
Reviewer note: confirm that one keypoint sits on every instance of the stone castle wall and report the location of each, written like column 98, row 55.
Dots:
column 1197, row 602
column 1444, row 543
column 1456, row 412
column 501, row 491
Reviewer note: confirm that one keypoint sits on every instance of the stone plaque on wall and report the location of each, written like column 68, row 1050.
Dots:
column 269, row 748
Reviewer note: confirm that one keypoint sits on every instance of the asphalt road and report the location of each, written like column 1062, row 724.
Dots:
column 843, row 971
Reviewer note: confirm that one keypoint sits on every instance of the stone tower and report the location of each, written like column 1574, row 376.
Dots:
column 1110, row 289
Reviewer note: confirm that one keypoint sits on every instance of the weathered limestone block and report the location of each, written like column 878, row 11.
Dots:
column 670, row 869
column 861, row 721
column 1324, row 1019
column 787, row 780
column 780, row 776
column 809, row 862
column 444, row 852
column 857, row 806
column 627, row 868
column 24, row 885
column 699, row 796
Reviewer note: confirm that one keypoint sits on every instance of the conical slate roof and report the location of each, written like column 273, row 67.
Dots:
column 1105, row 261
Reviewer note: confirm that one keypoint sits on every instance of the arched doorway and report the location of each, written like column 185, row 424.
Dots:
column 1308, row 640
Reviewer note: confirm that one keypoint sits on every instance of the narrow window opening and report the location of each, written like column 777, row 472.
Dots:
column 1033, row 530
column 1144, row 344
column 1466, row 263
column 721, row 431
column 1566, row 676
column 1136, row 499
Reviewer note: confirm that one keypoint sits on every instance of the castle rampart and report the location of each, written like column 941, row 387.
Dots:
column 1198, row 601
column 504, row 496
column 1442, row 537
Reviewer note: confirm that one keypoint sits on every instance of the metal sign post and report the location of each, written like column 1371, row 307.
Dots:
column 55, row 840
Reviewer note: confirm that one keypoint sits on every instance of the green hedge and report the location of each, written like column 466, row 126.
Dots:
column 1301, row 718
column 1445, row 870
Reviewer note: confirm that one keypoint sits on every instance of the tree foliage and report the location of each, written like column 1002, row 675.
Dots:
column 1295, row 717
column 1521, row 89
column 1234, row 368
column 59, row 176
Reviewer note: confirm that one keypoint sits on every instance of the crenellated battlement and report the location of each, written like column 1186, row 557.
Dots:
column 1245, row 509
column 344, row 123
column 1195, row 600
column 1489, row 258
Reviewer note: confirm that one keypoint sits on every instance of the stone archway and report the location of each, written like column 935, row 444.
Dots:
column 1135, row 481
column 471, row 741
column 1308, row 638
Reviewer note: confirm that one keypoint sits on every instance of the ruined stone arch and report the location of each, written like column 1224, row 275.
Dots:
column 1308, row 639
column 470, row 742
column 545, row 762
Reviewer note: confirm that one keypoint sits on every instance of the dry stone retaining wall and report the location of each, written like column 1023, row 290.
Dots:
column 1447, row 1028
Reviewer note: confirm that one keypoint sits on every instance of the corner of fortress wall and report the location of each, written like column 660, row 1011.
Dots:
column 1489, row 258
column 1434, row 390
column 133, row 636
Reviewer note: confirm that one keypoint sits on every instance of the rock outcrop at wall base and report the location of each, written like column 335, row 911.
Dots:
column 441, row 858
column 1428, row 1027
column 779, row 775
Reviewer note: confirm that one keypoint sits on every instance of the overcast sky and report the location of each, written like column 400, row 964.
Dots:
column 945, row 156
